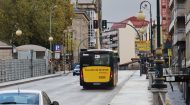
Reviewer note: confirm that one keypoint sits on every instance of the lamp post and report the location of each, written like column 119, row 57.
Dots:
column 18, row 33
column 159, row 62
column 159, row 89
column 50, row 32
column 50, row 45
column 79, row 48
column 141, row 16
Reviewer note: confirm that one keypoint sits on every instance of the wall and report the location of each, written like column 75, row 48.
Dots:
column 80, row 27
column 126, row 44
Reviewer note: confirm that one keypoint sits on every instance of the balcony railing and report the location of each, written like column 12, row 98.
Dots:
column 187, row 22
column 179, row 35
column 188, row 17
column 170, row 3
column 183, row 63
column 179, row 10
column 172, row 20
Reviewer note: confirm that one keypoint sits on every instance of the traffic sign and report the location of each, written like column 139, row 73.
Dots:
column 169, row 52
column 142, row 46
column 57, row 48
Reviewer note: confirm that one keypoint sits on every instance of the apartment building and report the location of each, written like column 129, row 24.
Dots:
column 167, row 42
column 187, row 32
column 80, row 33
column 123, row 38
column 92, row 8
column 177, row 31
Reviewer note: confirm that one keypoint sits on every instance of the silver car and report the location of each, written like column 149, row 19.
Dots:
column 76, row 70
column 25, row 97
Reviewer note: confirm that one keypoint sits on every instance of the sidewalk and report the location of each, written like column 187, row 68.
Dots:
column 10, row 83
column 134, row 92
column 175, row 97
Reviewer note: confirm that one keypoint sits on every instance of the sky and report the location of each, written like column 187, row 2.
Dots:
column 119, row 10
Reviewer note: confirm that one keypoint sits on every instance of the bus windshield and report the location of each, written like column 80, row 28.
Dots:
column 96, row 59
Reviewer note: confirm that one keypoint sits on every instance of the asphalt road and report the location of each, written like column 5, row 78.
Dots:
column 67, row 90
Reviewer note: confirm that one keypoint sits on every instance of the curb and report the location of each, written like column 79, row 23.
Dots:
column 27, row 80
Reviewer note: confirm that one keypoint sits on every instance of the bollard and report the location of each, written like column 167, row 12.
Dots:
column 159, row 96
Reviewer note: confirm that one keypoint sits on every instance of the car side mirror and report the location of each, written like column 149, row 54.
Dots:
column 55, row 103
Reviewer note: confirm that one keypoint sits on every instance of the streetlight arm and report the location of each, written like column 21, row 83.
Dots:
column 79, row 47
column 145, row 2
column 128, row 25
column 151, row 48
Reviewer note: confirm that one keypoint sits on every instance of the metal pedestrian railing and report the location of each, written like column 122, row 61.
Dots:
column 16, row 69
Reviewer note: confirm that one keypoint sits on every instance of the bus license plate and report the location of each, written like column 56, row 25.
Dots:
column 96, row 83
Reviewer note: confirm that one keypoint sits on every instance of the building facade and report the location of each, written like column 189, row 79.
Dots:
column 122, row 36
column 5, row 51
column 167, row 42
column 80, row 30
column 187, row 32
column 177, row 32
column 92, row 10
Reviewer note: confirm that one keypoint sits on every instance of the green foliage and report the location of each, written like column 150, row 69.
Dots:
column 33, row 18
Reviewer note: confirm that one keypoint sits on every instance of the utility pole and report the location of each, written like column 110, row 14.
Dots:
column 98, row 34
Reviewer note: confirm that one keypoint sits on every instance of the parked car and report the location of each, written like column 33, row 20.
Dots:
column 25, row 97
column 76, row 70
column 73, row 65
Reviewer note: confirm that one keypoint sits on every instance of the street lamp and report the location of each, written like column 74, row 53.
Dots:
column 142, row 32
column 18, row 33
column 50, row 32
column 50, row 45
column 50, row 42
column 141, row 16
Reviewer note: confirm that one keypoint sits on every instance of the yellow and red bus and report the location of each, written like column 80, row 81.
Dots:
column 98, row 67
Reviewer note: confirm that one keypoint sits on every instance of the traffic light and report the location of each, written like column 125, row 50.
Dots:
column 111, row 38
column 95, row 24
column 104, row 24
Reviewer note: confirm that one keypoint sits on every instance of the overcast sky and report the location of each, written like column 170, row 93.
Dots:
column 118, row 10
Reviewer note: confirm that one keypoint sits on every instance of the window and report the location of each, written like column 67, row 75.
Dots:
column 101, row 59
column 24, row 98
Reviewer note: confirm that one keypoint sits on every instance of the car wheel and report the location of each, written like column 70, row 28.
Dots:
column 73, row 74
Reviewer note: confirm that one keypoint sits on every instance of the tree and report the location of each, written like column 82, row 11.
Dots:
column 33, row 18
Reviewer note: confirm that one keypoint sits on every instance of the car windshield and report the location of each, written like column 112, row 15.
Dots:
column 19, row 98
column 77, row 66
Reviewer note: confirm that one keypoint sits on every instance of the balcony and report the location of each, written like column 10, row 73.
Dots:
column 179, row 36
column 183, row 63
column 187, row 23
column 179, row 10
column 171, row 26
column 171, row 2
